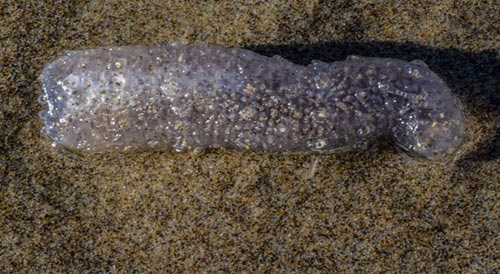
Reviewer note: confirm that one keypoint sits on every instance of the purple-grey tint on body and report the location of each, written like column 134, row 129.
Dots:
column 191, row 98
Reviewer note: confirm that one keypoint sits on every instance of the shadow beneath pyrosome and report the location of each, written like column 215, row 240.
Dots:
column 473, row 77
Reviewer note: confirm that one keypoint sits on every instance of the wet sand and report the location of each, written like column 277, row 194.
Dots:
column 230, row 211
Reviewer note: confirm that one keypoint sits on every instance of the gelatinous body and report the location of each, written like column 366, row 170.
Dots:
column 186, row 98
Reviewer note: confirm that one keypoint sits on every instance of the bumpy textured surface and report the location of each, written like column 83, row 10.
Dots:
column 189, row 98
column 231, row 211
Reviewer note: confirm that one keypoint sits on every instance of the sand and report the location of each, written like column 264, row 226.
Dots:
column 241, row 212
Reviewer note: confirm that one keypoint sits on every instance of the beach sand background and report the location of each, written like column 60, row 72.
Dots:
column 244, row 212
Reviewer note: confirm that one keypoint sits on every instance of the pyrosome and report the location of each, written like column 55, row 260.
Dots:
column 190, row 98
